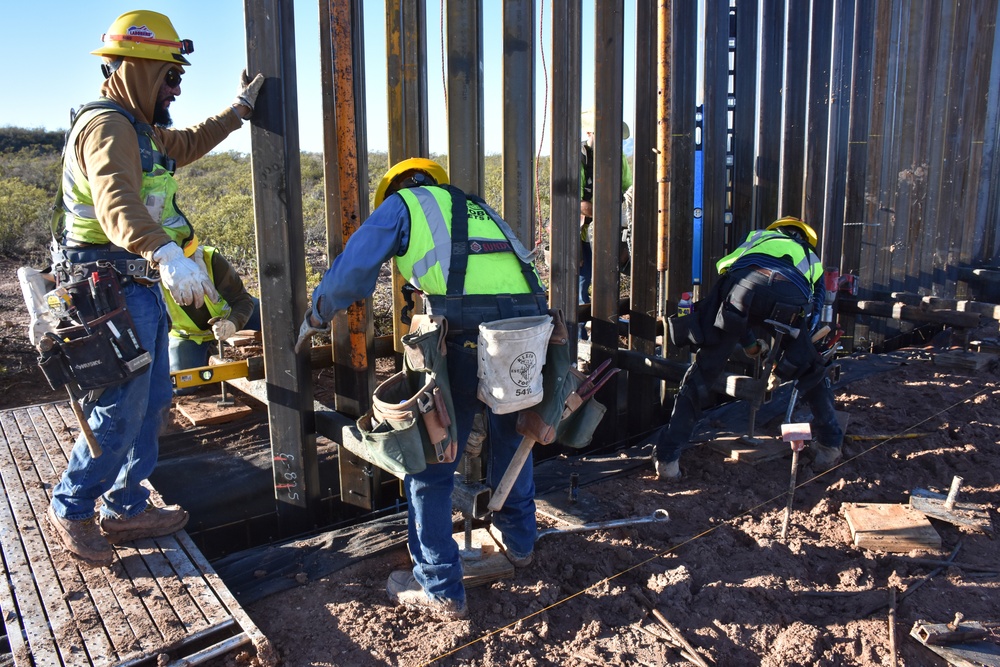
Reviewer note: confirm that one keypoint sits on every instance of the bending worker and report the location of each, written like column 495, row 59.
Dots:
column 775, row 274
column 193, row 329
column 118, row 207
column 433, row 230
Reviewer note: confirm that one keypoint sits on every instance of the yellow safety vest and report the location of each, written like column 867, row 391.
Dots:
column 776, row 244
column 181, row 323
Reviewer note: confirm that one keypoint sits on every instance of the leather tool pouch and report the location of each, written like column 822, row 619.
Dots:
column 105, row 351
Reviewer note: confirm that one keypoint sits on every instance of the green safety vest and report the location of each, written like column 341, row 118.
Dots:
column 181, row 323
column 493, row 268
column 779, row 245
column 77, row 215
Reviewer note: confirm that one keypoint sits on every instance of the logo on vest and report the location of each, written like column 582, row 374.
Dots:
column 523, row 369
column 484, row 247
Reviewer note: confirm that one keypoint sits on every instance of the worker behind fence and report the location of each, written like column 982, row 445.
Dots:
column 471, row 269
column 118, row 210
column 774, row 275
column 587, row 203
column 197, row 331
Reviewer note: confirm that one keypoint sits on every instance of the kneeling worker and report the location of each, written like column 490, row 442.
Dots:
column 417, row 220
column 775, row 274
column 193, row 328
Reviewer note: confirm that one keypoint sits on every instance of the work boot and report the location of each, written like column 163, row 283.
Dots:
column 403, row 588
column 824, row 457
column 83, row 539
column 151, row 522
column 520, row 561
column 667, row 471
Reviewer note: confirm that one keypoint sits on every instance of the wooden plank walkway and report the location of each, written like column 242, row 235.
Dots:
column 159, row 603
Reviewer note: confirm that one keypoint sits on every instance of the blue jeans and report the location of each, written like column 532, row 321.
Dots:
column 437, row 565
column 586, row 270
column 126, row 422
column 186, row 353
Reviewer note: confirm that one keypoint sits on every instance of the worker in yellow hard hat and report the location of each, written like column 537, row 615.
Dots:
column 118, row 210
column 775, row 275
column 471, row 269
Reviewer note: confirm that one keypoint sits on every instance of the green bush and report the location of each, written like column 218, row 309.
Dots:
column 24, row 217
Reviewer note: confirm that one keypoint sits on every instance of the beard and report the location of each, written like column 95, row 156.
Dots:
column 161, row 116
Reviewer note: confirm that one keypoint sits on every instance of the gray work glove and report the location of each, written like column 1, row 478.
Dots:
column 246, row 95
column 223, row 329
column 188, row 283
column 311, row 325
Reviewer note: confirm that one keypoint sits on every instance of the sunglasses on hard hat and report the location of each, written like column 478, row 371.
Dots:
column 173, row 78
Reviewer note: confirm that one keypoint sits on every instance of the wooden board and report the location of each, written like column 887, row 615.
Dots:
column 969, row 654
column 970, row 515
column 963, row 360
column 203, row 410
column 890, row 527
column 158, row 596
column 736, row 449
column 491, row 566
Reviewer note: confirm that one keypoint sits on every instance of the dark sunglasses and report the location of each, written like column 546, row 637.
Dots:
column 173, row 78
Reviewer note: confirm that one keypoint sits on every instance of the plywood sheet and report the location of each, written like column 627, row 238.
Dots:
column 890, row 527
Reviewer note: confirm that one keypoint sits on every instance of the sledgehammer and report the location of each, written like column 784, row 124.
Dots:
column 796, row 434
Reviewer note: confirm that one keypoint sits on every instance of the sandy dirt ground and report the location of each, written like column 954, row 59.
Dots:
column 717, row 571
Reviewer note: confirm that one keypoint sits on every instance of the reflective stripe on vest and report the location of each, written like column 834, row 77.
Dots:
column 181, row 324
column 776, row 244
column 427, row 260
column 157, row 193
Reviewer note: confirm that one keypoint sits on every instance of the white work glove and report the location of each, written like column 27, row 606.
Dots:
column 187, row 282
column 223, row 329
column 309, row 329
column 246, row 95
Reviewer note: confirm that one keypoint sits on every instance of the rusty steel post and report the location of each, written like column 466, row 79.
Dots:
column 355, row 375
column 663, row 38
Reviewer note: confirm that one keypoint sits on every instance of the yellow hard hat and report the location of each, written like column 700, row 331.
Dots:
column 144, row 34
column 788, row 221
column 392, row 180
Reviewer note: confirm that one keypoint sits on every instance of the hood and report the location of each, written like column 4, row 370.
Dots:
column 135, row 85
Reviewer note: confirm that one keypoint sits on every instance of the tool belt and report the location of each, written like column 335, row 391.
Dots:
column 81, row 262
column 95, row 344
column 411, row 421
column 466, row 312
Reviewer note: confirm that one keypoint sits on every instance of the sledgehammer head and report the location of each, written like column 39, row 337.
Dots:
column 796, row 435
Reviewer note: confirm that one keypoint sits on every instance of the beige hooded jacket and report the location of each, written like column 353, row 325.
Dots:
column 108, row 153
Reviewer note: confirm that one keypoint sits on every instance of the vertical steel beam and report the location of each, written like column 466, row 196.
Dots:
column 679, row 33
column 274, row 135
column 744, row 130
column 609, row 29
column 768, row 140
column 643, row 394
column 519, row 118
column 793, row 108
column 406, row 81
column 343, row 43
column 564, row 167
column 464, row 29
column 817, row 116
column 716, row 229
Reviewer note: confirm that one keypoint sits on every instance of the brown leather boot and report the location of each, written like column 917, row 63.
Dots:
column 151, row 522
column 83, row 539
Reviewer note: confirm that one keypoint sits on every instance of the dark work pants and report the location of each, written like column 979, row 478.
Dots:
column 711, row 359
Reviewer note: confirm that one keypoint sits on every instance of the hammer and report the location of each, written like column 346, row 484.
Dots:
column 796, row 435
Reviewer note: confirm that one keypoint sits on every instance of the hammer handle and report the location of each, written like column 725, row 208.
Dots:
column 88, row 434
column 500, row 494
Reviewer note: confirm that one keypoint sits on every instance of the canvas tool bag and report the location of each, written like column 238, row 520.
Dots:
column 544, row 422
column 511, row 357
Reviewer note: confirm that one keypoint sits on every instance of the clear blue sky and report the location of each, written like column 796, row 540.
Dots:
column 51, row 70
